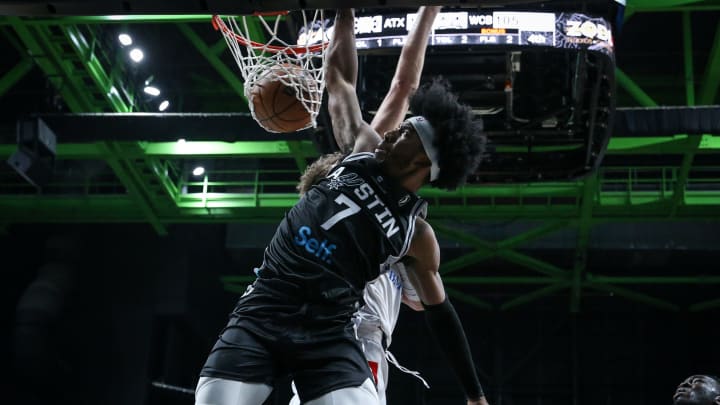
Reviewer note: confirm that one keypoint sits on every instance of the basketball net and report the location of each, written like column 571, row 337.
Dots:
column 275, row 59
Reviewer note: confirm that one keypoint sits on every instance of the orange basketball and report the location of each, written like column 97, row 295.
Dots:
column 276, row 106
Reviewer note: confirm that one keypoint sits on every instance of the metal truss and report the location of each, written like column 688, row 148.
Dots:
column 149, row 182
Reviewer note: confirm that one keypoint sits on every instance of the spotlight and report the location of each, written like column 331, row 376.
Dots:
column 152, row 90
column 136, row 54
column 164, row 105
column 198, row 171
column 125, row 39
column 181, row 140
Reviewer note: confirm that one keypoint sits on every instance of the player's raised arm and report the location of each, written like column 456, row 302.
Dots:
column 406, row 80
column 341, row 67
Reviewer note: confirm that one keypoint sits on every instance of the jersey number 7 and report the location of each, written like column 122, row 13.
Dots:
column 352, row 208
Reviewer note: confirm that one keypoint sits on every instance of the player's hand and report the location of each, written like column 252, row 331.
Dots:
column 480, row 401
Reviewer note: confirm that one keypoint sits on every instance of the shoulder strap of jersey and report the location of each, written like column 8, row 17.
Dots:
column 357, row 156
column 418, row 209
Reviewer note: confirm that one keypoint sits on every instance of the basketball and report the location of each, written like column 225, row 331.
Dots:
column 277, row 106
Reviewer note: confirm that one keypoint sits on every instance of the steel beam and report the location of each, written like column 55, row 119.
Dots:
column 219, row 48
column 484, row 249
column 711, row 79
column 688, row 59
column 532, row 234
column 682, row 176
column 169, row 150
column 163, row 127
column 244, row 149
column 229, row 127
column 8, row 35
column 160, row 170
column 544, row 189
column 125, row 172
column 60, row 74
column 491, row 250
column 664, row 145
column 584, row 226
column 105, row 84
column 15, row 74
column 634, row 90
column 230, row 78
column 633, row 295
column 466, row 260
column 542, row 292
column 666, row 121
column 58, row 209
column 507, row 254
column 701, row 306
column 264, row 208
column 138, row 187
column 260, row 214
column 246, row 200
column 534, row 264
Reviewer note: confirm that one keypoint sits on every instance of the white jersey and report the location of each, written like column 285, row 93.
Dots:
column 375, row 322
column 379, row 315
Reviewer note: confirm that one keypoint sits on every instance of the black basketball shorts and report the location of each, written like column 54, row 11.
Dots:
column 243, row 353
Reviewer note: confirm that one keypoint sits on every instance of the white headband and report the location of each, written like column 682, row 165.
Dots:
column 426, row 133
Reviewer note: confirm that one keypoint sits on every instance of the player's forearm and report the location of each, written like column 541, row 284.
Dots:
column 445, row 326
column 340, row 77
column 341, row 63
column 412, row 56
column 406, row 80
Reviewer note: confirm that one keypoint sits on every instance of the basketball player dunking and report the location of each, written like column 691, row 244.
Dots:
column 296, row 318
column 376, row 320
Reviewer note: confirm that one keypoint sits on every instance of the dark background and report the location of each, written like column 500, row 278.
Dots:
column 97, row 313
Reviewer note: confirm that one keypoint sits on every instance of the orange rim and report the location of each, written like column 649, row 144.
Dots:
column 219, row 24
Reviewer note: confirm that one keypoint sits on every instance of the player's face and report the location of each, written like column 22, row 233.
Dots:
column 695, row 390
column 400, row 148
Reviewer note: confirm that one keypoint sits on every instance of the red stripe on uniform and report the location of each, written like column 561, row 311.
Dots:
column 374, row 368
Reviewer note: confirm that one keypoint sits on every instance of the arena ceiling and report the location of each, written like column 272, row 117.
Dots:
column 118, row 159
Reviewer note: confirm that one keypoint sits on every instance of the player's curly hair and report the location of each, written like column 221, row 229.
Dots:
column 317, row 170
column 458, row 136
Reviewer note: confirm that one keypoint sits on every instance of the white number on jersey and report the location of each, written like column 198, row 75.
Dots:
column 351, row 209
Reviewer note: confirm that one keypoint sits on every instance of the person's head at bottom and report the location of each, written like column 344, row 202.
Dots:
column 442, row 136
column 698, row 390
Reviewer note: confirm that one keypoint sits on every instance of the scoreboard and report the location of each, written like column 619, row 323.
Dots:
column 481, row 28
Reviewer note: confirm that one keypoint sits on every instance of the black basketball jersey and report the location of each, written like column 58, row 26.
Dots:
column 331, row 243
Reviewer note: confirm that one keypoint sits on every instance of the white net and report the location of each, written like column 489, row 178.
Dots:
column 298, row 66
